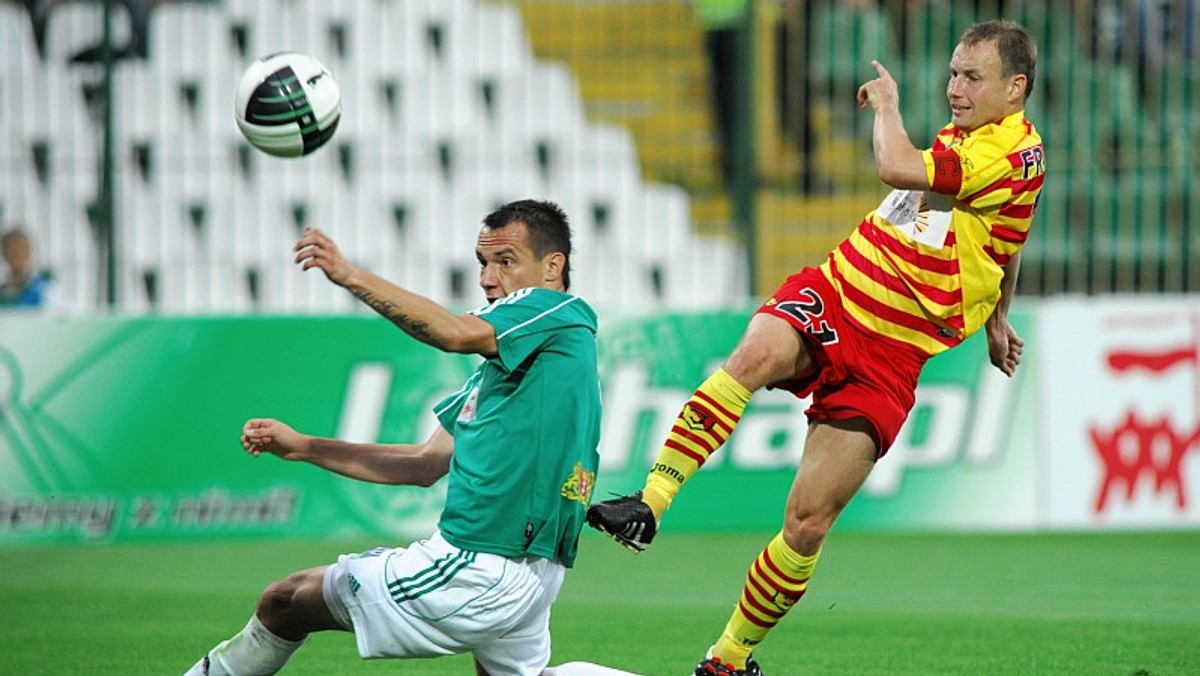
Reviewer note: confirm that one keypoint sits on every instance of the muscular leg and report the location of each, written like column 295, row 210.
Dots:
column 838, row 456
column 288, row 611
column 295, row 606
column 771, row 350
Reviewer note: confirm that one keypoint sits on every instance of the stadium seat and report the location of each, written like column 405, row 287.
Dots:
column 51, row 102
column 598, row 158
column 446, row 115
column 75, row 26
column 284, row 198
column 537, row 103
column 655, row 223
column 591, row 174
column 409, row 117
column 845, row 37
column 269, row 26
column 433, row 105
column 1054, row 32
column 284, row 286
column 930, row 31
column 707, row 273
column 195, row 41
column 18, row 50
column 140, row 248
column 412, row 221
column 648, row 230
column 197, row 271
column 182, row 114
column 503, row 163
column 56, row 215
column 374, row 116
column 610, row 283
column 1110, row 95
column 486, row 43
column 434, row 10
column 922, row 84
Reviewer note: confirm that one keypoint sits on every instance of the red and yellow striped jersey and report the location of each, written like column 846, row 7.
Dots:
column 925, row 266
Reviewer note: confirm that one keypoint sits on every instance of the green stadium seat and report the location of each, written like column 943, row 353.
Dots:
column 844, row 39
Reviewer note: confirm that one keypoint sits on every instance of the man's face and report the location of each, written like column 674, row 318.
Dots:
column 977, row 90
column 507, row 262
column 17, row 255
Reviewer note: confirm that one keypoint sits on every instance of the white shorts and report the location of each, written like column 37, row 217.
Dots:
column 433, row 599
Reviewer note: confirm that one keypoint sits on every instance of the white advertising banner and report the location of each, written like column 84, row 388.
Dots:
column 1121, row 411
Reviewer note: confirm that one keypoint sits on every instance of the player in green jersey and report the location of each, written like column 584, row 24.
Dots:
column 517, row 442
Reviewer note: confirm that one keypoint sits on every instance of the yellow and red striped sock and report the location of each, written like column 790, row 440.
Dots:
column 704, row 424
column 776, row 581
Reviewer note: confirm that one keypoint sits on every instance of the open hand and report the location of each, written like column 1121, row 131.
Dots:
column 315, row 249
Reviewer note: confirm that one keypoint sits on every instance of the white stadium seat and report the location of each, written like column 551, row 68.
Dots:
column 541, row 101
column 446, row 114
column 18, row 50
column 75, row 26
column 488, row 42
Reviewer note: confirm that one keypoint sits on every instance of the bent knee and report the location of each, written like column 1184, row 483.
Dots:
column 279, row 596
column 758, row 364
column 294, row 593
column 806, row 532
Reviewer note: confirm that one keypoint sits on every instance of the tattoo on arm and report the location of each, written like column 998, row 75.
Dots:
column 388, row 309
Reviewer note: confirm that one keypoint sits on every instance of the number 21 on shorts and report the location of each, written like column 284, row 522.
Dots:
column 808, row 311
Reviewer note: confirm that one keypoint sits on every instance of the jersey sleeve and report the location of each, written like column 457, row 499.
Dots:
column 972, row 170
column 943, row 168
column 525, row 320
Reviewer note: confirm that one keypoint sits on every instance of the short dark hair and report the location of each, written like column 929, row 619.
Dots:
column 549, row 229
column 1018, row 51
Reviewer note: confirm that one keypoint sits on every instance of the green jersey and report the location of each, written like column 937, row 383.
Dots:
column 526, row 426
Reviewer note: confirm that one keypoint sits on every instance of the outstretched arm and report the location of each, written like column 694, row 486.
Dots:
column 398, row 464
column 901, row 164
column 416, row 315
column 1004, row 345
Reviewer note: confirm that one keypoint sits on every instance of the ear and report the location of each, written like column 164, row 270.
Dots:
column 1016, row 88
column 552, row 267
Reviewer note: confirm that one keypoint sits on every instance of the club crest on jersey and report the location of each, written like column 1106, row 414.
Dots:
column 468, row 410
column 579, row 484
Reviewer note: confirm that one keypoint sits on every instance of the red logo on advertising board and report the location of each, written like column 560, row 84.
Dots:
column 1137, row 451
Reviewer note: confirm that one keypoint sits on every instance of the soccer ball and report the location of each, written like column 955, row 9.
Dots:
column 287, row 104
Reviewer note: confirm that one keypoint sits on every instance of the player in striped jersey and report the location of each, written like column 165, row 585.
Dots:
column 934, row 263
column 517, row 443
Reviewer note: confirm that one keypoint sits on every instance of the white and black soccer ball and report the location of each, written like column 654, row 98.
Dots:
column 288, row 104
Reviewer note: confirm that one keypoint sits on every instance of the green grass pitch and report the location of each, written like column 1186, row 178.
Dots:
column 1112, row 604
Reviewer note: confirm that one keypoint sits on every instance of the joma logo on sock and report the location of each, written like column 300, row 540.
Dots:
column 675, row 474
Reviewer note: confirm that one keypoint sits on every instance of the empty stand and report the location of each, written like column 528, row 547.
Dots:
column 446, row 115
column 17, row 46
column 487, row 43
column 73, row 27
